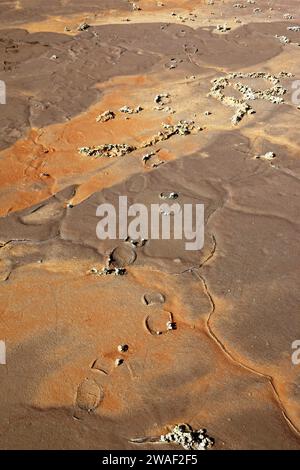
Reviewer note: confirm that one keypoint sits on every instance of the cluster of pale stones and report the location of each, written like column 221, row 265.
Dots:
column 185, row 436
column 273, row 94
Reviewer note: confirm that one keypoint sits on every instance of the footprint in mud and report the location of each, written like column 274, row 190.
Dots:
column 44, row 214
column 181, row 33
column 153, row 298
column 97, row 365
column 5, row 269
column 9, row 66
column 122, row 256
column 89, row 395
column 136, row 184
column 159, row 323
column 51, row 210
column 190, row 49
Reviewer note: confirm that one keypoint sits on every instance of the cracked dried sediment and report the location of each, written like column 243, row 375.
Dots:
column 225, row 350
column 231, row 357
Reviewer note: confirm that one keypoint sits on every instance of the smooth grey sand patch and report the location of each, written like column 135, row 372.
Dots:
column 39, row 10
column 47, row 97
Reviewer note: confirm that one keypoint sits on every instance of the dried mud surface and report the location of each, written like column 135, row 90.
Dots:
column 227, row 365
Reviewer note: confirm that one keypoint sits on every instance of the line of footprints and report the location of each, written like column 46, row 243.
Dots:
column 89, row 393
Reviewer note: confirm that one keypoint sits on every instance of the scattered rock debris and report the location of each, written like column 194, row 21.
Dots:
column 185, row 436
column 171, row 325
column 222, row 28
column 169, row 130
column 137, row 243
column 166, row 109
column 136, row 7
column 107, row 271
column 266, row 156
column 128, row 110
column 171, row 195
column 119, row 362
column 295, row 29
column 173, row 64
column 273, row 94
column 107, row 150
column 147, row 156
column 161, row 99
column 288, row 16
column 106, row 116
column 283, row 39
column 83, row 27
column 190, row 17
column 182, row 127
column 242, row 110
